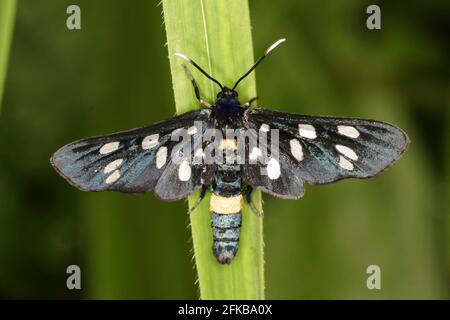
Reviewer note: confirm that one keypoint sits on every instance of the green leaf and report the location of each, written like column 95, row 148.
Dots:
column 217, row 35
column 7, row 14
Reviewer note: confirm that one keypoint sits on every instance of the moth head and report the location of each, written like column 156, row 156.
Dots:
column 227, row 93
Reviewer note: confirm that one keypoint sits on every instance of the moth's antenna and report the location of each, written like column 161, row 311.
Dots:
column 198, row 67
column 273, row 46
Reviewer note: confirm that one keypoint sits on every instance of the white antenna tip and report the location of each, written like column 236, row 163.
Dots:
column 276, row 44
column 182, row 56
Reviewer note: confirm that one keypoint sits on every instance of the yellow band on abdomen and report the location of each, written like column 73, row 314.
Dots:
column 228, row 144
column 225, row 205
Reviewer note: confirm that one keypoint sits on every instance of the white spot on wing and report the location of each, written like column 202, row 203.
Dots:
column 296, row 149
column 348, row 131
column 345, row 164
column 255, row 154
column 184, row 171
column 264, row 128
column 109, row 147
column 346, row 151
column 161, row 157
column 150, row 141
column 192, row 130
column 113, row 177
column 273, row 169
column 307, row 131
column 113, row 166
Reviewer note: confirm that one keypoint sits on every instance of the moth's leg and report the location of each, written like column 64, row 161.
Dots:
column 199, row 200
column 248, row 198
column 248, row 104
column 196, row 89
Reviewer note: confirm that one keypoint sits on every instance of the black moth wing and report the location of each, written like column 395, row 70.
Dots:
column 288, row 185
column 134, row 161
column 321, row 149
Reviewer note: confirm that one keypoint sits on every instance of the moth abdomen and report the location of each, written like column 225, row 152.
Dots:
column 226, row 223
column 226, row 232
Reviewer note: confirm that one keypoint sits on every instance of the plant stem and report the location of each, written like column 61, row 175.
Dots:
column 7, row 14
column 217, row 35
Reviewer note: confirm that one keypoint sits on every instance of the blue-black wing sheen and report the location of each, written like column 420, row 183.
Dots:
column 321, row 149
column 135, row 161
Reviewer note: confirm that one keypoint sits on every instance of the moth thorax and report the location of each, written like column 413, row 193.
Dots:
column 225, row 205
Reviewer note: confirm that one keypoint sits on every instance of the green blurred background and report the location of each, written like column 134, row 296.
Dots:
column 114, row 74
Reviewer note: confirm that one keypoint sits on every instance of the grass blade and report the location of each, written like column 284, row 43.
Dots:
column 217, row 35
column 7, row 15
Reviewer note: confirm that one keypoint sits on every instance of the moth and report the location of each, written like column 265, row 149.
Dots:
column 313, row 149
